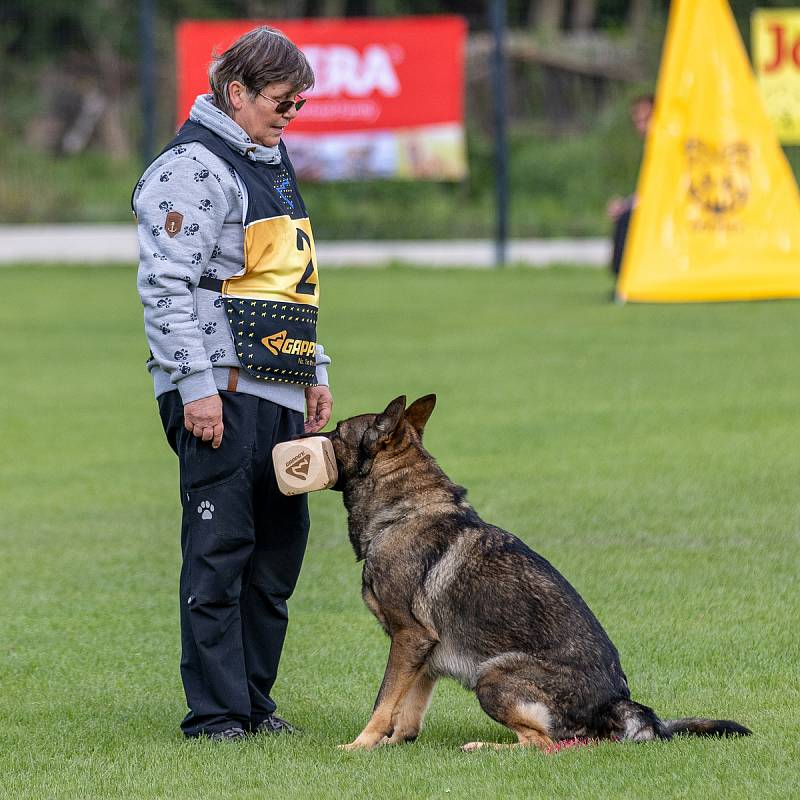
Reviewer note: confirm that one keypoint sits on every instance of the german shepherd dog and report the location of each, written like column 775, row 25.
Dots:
column 463, row 599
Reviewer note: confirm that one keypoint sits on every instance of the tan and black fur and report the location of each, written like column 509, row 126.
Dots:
column 461, row 598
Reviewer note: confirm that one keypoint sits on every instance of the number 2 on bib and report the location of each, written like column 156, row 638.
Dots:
column 305, row 286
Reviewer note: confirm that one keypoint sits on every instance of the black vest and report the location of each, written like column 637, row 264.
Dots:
column 272, row 308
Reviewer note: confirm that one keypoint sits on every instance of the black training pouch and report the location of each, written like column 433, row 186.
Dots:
column 275, row 341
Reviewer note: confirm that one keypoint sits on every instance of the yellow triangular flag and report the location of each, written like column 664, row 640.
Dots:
column 718, row 211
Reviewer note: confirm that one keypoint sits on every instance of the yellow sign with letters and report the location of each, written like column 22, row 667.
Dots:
column 776, row 59
column 717, row 215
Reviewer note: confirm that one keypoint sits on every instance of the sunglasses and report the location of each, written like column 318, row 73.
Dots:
column 282, row 106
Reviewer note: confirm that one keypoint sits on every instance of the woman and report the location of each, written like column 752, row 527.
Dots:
column 228, row 280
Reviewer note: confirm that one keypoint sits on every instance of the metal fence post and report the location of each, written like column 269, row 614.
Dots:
column 497, row 14
column 147, row 78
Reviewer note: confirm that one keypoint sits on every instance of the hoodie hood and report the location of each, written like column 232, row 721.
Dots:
column 205, row 113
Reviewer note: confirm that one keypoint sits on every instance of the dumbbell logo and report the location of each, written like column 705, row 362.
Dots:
column 298, row 466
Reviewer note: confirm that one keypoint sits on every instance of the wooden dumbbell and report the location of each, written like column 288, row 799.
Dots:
column 305, row 465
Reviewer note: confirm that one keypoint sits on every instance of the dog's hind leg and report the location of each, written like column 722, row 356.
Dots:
column 516, row 703
column 410, row 711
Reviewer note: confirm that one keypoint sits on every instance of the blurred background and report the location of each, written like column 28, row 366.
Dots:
column 71, row 127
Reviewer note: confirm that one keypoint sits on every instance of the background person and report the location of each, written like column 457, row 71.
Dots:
column 619, row 209
column 242, row 541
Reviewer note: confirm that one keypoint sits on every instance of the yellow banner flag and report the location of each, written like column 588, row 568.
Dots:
column 776, row 59
column 718, row 212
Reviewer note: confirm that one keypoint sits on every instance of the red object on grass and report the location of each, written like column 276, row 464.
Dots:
column 565, row 744
column 578, row 741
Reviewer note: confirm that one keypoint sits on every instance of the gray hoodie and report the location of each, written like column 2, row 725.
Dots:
column 187, row 328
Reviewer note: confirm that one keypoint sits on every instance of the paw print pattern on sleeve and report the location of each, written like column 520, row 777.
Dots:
column 172, row 265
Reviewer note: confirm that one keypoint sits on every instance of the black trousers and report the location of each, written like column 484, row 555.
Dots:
column 242, row 543
column 620, row 236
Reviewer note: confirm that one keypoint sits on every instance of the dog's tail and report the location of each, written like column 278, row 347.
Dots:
column 699, row 726
column 639, row 723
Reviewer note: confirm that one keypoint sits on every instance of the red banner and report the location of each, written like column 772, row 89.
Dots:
column 388, row 98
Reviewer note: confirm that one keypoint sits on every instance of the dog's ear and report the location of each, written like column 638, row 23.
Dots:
column 386, row 423
column 420, row 411
column 380, row 432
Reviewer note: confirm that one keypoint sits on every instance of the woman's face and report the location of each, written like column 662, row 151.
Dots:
column 257, row 116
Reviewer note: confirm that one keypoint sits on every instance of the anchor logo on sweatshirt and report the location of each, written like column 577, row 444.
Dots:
column 173, row 223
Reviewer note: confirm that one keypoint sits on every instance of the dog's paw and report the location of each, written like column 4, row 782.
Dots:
column 471, row 747
column 355, row 745
column 362, row 742
column 400, row 738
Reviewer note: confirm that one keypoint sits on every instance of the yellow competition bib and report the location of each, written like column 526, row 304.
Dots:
column 272, row 306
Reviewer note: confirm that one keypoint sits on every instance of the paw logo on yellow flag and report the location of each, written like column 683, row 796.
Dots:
column 717, row 215
column 719, row 180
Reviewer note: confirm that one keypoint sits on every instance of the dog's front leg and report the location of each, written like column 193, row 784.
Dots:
column 410, row 711
column 407, row 657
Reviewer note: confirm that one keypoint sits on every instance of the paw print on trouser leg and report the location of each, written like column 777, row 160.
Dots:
column 206, row 509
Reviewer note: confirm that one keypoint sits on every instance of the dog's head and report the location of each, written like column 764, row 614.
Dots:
column 359, row 441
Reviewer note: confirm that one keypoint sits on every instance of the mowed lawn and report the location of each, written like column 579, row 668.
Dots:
column 650, row 453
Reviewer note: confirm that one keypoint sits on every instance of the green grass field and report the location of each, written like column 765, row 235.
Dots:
column 651, row 453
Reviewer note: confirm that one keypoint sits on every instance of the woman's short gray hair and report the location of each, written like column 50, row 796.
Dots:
column 263, row 55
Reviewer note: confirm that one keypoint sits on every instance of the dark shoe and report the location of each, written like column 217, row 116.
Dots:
column 274, row 724
column 228, row 735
